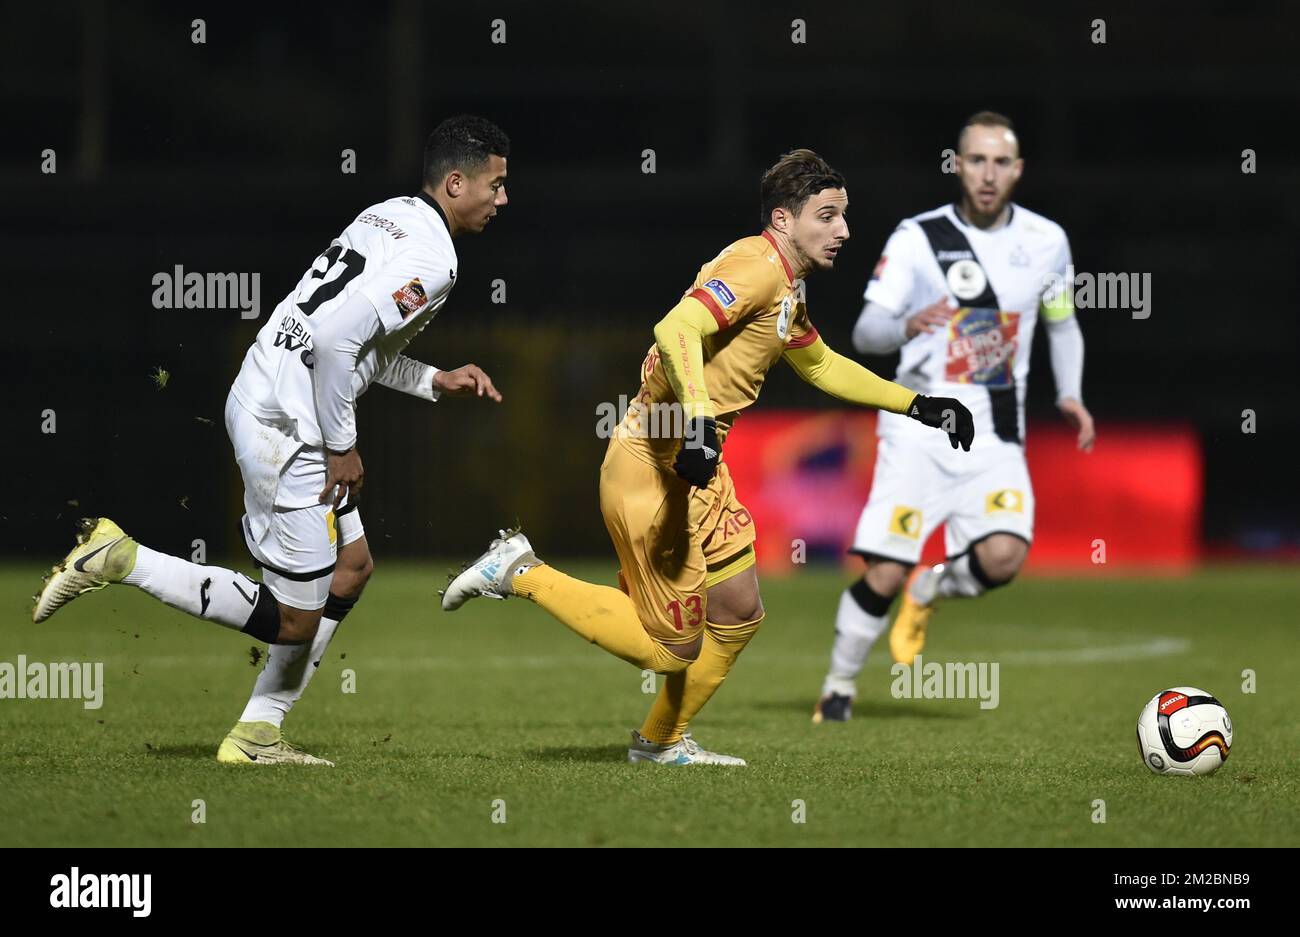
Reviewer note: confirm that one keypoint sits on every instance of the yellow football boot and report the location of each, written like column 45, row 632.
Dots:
column 260, row 743
column 103, row 554
column 907, row 636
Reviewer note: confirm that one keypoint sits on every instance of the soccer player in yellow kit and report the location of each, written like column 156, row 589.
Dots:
column 690, row 600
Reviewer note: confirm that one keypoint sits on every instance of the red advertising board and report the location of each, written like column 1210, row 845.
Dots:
column 1135, row 500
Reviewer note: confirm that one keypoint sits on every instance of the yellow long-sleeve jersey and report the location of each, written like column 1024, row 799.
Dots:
column 744, row 311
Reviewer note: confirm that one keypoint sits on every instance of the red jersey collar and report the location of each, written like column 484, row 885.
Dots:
column 789, row 271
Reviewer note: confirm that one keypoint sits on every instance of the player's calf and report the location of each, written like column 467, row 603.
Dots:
column 859, row 620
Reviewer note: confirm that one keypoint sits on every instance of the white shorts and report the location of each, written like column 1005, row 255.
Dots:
column 292, row 537
column 921, row 482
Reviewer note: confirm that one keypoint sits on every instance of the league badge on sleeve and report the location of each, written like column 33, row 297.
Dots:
column 410, row 298
column 721, row 292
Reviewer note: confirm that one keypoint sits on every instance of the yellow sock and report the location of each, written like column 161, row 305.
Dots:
column 684, row 693
column 606, row 617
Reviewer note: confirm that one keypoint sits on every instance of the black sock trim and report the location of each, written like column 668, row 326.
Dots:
column 337, row 607
column 264, row 621
column 869, row 600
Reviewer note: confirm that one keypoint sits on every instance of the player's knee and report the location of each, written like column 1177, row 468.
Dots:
column 689, row 651
column 737, row 610
column 361, row 572
column 886, row 577
column 736, row 600
column 352, row 574
column 1001, row 557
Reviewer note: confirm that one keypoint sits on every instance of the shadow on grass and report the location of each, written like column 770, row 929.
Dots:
column 873, row 709
column 596, row 754
column 188, row 752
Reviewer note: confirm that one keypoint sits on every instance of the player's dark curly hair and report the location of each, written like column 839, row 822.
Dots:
column 465, row 143
column 796, row 177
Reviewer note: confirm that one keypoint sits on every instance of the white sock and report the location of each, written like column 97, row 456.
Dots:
column 289, row 668
column 855, row 632
column 208, row 592
column 957, row 580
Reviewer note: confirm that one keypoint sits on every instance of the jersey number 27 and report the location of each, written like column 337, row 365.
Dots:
column 353, row 264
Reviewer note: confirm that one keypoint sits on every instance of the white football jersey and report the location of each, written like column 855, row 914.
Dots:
column 398, row 255
column 998, row 279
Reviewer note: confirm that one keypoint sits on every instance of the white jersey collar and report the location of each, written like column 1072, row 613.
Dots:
column 433, row 203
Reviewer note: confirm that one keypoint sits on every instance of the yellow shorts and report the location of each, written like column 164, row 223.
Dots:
column 674, row 541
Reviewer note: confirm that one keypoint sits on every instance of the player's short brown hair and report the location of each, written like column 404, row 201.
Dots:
column 796, row 177
column 985, row 119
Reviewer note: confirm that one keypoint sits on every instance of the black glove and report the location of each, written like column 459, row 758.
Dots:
column 947, row 414
column 698, row 458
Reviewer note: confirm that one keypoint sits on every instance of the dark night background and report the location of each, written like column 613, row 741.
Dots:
column 225, row 157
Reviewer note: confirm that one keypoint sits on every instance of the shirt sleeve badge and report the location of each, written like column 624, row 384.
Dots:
column 411, row 298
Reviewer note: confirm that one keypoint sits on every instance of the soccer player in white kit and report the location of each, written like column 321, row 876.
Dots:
column 291, row 417
column 960, row 290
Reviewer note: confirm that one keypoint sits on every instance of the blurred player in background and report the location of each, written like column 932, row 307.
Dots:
column 685, row 543
column 959, row 289
column 291, row 417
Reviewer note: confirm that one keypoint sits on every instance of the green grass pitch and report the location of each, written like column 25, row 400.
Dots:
column 454, row 714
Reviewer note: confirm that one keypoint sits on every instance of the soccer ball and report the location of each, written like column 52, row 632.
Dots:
column 1184, row 731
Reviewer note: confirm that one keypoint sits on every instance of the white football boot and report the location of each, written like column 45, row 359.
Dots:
column 685, row 752
column 491, row 574
column 104, row 554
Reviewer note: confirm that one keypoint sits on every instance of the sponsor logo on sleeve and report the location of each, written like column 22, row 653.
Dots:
column 880, row 267
column 410, row 299
column 721, row 292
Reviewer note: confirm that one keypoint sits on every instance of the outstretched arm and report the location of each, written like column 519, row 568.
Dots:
column 410, row 377
column 428, row 383
column 841, row 377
